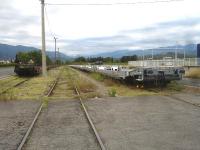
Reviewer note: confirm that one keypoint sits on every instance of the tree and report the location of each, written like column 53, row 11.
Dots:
column 35, row 56
column 128, row 58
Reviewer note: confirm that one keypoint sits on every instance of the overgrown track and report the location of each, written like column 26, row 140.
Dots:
column 49, row 94
column 14, row 86
column 87, row 114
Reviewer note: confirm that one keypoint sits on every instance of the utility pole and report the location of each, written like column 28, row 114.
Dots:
column 44, row 65
column 58, row 55
column 176, row 50
column 55, row 48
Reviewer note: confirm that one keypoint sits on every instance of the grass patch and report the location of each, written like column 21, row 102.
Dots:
column 7, row 96
column 193, row 73
column 112, row 92
column 45, row 101
column 31, row 89
column 97, row 76
column 173, row 86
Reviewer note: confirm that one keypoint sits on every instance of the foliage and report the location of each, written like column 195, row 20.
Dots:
column 174, row 86
column 128, row 58
column 35, row 56
column 112, row 92
column 193, row 73
column 7, row 65
column 80, row 59
column 97, row 76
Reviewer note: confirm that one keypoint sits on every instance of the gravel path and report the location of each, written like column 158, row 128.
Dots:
column 146, row 123
column 62, row 126
column 15, row 118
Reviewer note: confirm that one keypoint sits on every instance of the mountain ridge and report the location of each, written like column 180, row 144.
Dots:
column 9, row 51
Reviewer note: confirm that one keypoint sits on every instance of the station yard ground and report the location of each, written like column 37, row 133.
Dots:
column 139, row 123
column 146, row 123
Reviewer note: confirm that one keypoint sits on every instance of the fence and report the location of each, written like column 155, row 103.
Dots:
column 166, row 63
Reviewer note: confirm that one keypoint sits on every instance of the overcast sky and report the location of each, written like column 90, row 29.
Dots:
column 95, row 29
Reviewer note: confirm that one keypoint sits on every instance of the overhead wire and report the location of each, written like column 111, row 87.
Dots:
column 111, row 4
column 48, row 22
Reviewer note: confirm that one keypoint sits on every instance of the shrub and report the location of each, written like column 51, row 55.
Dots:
column 112, row 92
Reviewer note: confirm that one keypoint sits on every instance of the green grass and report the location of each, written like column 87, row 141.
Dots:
column 31, row 89
column 7, row 65
column 173, row 86
column 112, row 92
column 97, row 76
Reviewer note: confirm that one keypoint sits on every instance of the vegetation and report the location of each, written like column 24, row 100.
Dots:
column 128, row 58
column 112, row 92
column 174, row 86
column 7, row 65
column 32, row 89
column 106, row 60
column 193, row 73
column 35, row 56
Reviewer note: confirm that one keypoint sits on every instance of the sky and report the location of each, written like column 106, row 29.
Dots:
column 91, row 29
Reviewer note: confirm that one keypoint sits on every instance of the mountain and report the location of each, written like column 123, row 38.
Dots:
column 9, row 52
column 190, row 50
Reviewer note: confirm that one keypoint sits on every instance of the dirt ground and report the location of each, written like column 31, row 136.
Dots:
column 146, row 123
column 15, row 118
column 62, row 125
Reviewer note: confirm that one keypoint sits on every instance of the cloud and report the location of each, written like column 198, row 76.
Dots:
column 15, row 25
column 162, row 34
column 20, row 24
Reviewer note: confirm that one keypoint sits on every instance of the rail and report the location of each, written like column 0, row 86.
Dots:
column 36, row 116
column 90, row 121
column 16, row 85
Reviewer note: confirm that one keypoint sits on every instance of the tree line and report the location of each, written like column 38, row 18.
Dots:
column 123, row 59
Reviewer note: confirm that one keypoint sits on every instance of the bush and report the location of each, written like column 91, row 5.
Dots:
column 112, row 92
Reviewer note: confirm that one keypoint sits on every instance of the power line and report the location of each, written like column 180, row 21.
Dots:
column 48, row 22
column 111, row 4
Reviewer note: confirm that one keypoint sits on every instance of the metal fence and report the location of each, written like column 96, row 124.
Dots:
column 166, row 63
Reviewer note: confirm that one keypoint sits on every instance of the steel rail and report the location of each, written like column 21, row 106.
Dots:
column 90, row 121
column 36, row 116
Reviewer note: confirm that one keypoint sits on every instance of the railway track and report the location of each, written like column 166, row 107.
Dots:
column 13, row 86
column 50, row 93
column 21, row 145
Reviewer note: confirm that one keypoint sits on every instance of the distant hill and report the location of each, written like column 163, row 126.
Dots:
column 9, row 52
column 190, row 50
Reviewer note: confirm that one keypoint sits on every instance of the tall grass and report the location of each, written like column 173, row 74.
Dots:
column 98, row 76
column 193, row 73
